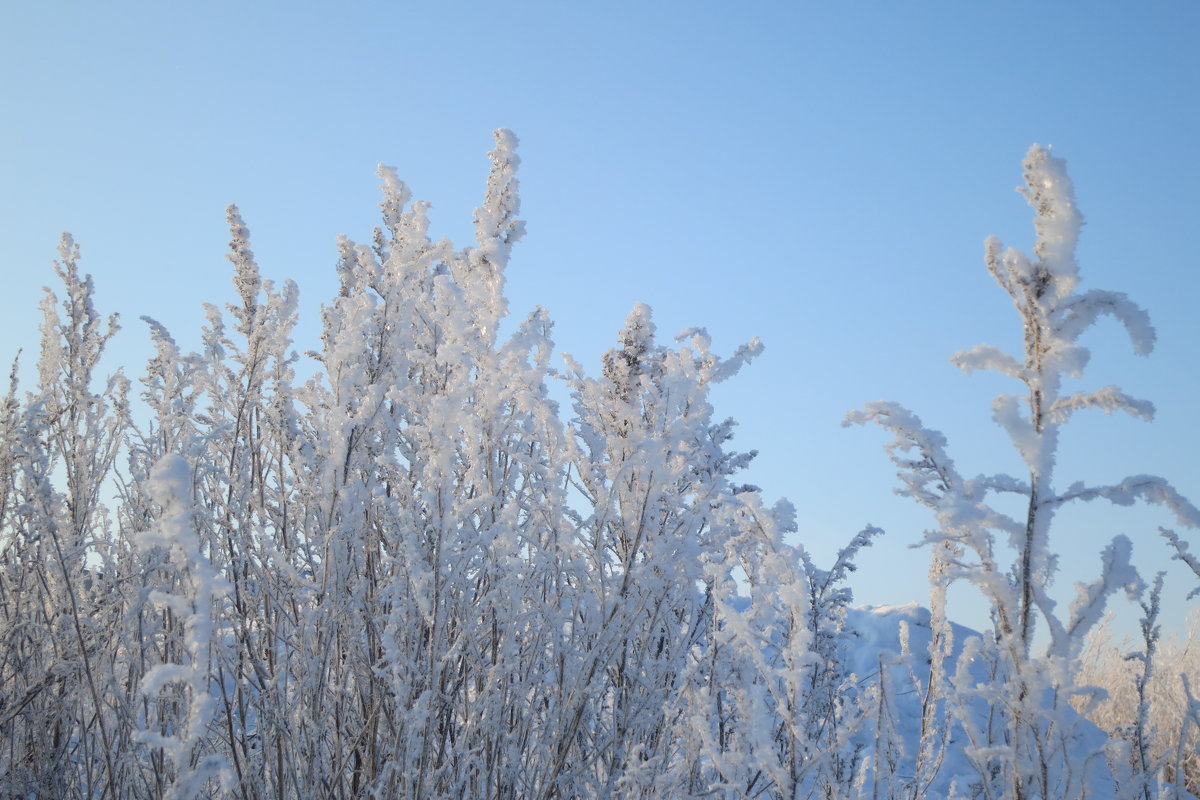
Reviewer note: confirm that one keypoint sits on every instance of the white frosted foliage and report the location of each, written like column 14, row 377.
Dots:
column 195, row 602
column 415, row 575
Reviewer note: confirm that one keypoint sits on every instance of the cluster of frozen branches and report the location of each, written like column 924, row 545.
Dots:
column 413, row 576
column 407, row 576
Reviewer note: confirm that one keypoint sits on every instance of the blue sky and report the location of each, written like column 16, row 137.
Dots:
column 820, row 175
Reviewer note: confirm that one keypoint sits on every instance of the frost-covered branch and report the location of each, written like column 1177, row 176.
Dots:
column 1147, row 488
column 929, row 473
column 1081, row 311
column 1184, row 554
column 985, row 356
column 1108, row 399
column 1116, row 574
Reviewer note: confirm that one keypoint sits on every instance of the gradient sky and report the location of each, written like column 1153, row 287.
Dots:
column 821, row 175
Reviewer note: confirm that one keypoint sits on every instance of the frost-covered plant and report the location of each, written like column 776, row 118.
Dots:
column 1140, row 733
column 829, row 708
column 180, row 725
column 443, row 572
column 654, row 478
column 59, row 621
column 1034, row 757
column 1135, row 685
column 1183, row 768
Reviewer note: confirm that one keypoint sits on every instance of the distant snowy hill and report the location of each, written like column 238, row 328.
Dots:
column 877, row 636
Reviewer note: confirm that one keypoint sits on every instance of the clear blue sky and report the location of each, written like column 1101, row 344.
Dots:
column 820, row 175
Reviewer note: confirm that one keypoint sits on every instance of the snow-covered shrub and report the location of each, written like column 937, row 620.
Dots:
column 60, row 613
